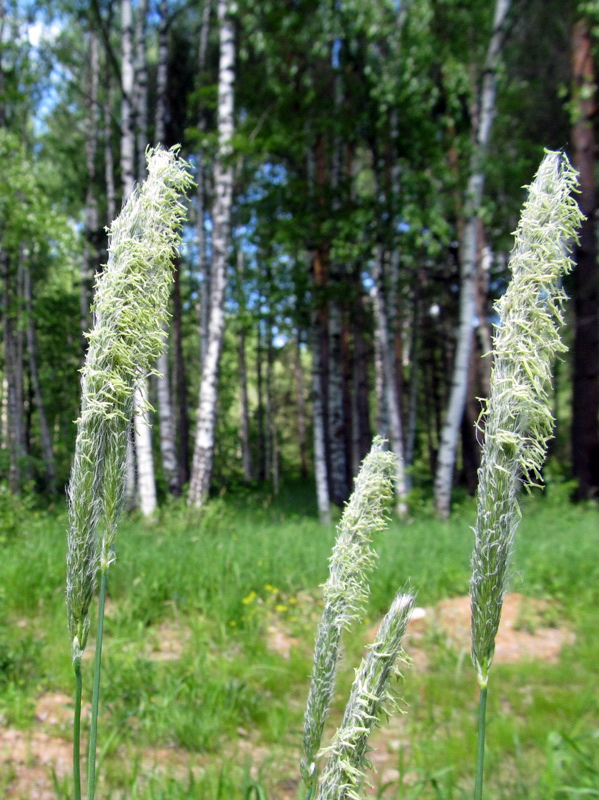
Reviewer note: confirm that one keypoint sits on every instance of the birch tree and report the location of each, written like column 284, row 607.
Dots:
column 468, row 248
column 168, row 450
column 144, row 459
column 223, row 188
column 391, row 396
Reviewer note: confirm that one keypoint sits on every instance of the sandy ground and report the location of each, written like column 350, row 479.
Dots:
column 28, row 759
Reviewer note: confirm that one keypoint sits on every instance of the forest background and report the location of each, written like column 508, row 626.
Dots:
column 359, row 170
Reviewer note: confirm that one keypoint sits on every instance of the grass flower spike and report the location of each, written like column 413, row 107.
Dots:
column 346, row 590
column 130, row 310
column 517, row 417
column 371, row 698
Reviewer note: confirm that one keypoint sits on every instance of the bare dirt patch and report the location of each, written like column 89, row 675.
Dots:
column 29, row 759
column 167, row 641
column 524, row 633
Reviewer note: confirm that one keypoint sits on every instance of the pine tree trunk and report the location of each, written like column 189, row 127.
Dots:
column 244, row 428
column 468, row 267
column 260, row 410
column 180, row 384
column 161, row 75
column 223, row 183
column 585, row 389
column 108, row 154
column 140, row 101
column 413, row 389
column 14, row 409
column 45, row 434
column 337, row 422
column 362, row 430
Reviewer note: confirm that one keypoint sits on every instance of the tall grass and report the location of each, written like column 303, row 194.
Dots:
column 130, row 310
column 238, row 573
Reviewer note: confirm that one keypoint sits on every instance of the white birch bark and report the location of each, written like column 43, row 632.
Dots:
column 168, row 448
column 392, row 401
column 127, row 79
column 203, row 262
column 320, row 458
column 468, row 267
column 146, row 485
column 223, row 186
column 300, row 405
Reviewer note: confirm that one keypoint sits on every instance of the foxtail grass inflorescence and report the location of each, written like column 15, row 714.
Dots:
column 346, row 590
column 130, row 310
column 517, row 417
column 371, row 698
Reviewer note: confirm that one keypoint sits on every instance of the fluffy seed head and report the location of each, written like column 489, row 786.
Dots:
column 517, row 417
column 346, row 590
column 371, row 698
column 130, row 310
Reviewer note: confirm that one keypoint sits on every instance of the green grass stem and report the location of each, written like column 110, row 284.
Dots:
column 93, row 734
column 480, row 745
column 77, row 731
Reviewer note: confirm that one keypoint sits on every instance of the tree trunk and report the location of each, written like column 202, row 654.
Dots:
column 300, row 405
column 260, row 409
column 468, row 266
column 392, row 403
column 337, row 423
column 244, row 428
column 140, row 101
column 45, row 434
column 13, row 375
column 161, row 75
column 180, row 384
column 90, row 256
column 203, row 262
column 320, row 458
column 108, row 154
column 223, row 183
column 414, row 383
column 127, row 120
column 146, row 485
column 362, row 430
column 585, row 389
column 168, row 448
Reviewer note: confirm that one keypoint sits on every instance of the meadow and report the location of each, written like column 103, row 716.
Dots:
column 209, row 632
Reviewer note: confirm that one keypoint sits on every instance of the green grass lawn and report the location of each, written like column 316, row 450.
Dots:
column 208, row 638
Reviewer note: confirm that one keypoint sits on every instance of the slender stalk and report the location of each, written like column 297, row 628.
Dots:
column 93, row 734
column 77, row 731
column 480, row 747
